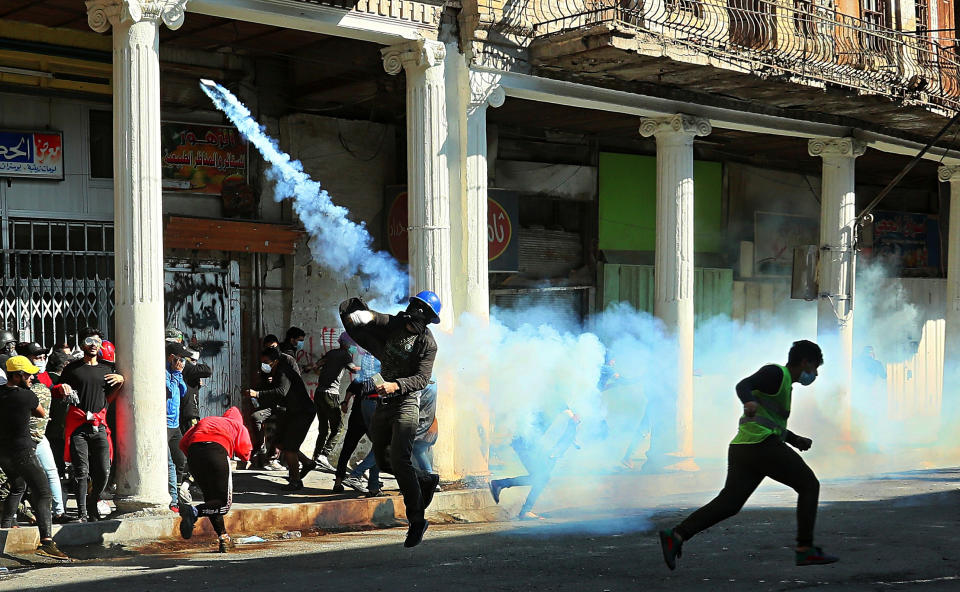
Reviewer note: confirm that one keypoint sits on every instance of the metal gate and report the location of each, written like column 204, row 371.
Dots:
column 202, row 300
column 56, row 277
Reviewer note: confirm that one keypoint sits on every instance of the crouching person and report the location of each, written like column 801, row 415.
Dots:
column 209, row 446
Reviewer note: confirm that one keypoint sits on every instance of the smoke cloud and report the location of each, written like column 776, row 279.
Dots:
column 519, row 374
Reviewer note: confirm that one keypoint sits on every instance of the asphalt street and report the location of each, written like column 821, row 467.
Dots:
column 897, row 532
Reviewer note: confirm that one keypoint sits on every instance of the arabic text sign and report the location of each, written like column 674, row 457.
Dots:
column 37, row 155
column 202, row 158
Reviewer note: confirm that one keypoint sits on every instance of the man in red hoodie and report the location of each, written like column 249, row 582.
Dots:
column 209, row 446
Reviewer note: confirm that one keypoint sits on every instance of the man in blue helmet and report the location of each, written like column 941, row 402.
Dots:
column 406, row 350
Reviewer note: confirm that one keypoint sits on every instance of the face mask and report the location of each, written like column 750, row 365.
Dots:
column 416, row 321
column 352, row 350
column 807, row 378
column 299, row 345
column 41, row 364
column 267, row 368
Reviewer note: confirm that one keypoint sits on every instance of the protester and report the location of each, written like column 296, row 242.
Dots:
column 326, row 400
column 176, row 389
column 56, row 362
column 294, row 341
column 760, row 450
column 406, row 350
column 539, row 457
column 194, row 373
column 363, row 391
column 8, row 348
column 18, row 457
column 262, row 420
column 209, row 446
column 287, row 389
column 95, row 384
column 40, row 386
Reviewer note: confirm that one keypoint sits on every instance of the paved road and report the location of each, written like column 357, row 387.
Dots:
column 894, row 533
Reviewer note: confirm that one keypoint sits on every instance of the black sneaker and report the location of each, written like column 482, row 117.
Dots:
column 415, row 533
column 338, row 487
column 671, row 547
column 188, row 519
column 63, row 519
column 376, row 493
column 495, row 489
column 815, row 556
column 306, row 468
column 49, row 549
column 294, row 486
column 428, row 487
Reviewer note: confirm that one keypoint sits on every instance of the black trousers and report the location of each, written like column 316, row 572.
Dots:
column 330, row 424
column 356, row 429
column 394, row 426
column 748, row 464
column 210, row 468
column 90, row 453
column 22, row 469
column 179, row 460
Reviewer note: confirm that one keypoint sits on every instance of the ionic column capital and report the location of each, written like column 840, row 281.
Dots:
column 836, row 147
column 102, row 14
column 949, row 173
column 485, row 89
column 681, row 123
column 421, row 53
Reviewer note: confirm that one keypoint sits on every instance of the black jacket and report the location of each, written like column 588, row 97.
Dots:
column 190, row 402
column 405, row 358
column 286, row 390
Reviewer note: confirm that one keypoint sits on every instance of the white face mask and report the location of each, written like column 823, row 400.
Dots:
column 267, row 369
column 41, row 364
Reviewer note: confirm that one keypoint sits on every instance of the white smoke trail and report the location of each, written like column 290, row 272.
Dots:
column 344, row 246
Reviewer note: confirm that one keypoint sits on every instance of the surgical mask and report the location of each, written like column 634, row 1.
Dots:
column 267, row 368
column 41, row 364
column 807, row 378
column 299, row 345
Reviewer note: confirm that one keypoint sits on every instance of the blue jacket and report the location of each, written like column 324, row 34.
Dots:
column 176, row 388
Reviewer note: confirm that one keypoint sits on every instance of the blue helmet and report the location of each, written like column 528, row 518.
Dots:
column 432, row 300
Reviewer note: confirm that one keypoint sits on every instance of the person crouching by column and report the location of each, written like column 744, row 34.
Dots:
column 95, row 385
column 760, row 450
column 287, row 389
column 406, row 350
column 209, row 446
column 18, row 457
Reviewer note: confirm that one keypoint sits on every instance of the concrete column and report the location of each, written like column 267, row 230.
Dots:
column 837, row 261
column 673, row 282
column 428, row 182
column 951, row 174
column 138, row 231
column 485, row 90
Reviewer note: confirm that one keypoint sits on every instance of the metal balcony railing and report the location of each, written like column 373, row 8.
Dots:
column 792, row 37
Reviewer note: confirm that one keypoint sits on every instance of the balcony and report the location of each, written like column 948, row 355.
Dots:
column 793, row 55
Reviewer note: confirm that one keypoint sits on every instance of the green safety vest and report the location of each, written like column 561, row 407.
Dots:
column 772, row 413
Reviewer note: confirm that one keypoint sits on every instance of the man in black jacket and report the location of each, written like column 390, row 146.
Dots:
column 193, row 374
column 406, row 349
column 288, row 391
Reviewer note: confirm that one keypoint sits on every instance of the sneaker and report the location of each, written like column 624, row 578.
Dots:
column 495, row 489
column 175, row 509
column 274, row 466
column 376, row 493
column 429, row 488
column 183, row 493
column 306, row 468
column 815, row 556
column 49, row 549
column 292, row 486
column 354, row 484
column 323, row 464
column 415, row 533
column 225, row 543
column 672, row 548
column 188, row 517
column 63, row 519
column 103, row 509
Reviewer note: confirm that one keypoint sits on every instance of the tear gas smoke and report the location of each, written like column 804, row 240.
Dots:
column 523, row 369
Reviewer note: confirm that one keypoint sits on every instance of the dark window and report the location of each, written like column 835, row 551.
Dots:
column 876, row 17
column 923, row 16
column 694, row 7
column 101, row 144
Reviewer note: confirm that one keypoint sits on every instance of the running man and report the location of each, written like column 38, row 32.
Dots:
column 209, row 446
column 760, row 450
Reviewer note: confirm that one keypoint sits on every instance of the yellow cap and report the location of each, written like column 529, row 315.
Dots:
column 21, row 364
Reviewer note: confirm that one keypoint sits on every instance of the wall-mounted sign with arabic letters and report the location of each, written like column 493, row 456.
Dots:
column 36, row 155
column 209, row 159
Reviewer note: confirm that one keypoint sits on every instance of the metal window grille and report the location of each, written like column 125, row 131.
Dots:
column 694, row 8
column 922, row 8
column 875, row 15
column 56, row 277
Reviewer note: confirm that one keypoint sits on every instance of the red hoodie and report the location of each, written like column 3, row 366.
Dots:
column 227, row 431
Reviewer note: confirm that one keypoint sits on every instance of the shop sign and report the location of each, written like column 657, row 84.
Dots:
column 502, row 212
column 36, row 155
column 205, row 159
column 911, row 241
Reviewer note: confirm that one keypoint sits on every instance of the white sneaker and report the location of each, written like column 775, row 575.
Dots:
column 274, row 466
column 184, row 492
column 323, row 464
column 103, row 508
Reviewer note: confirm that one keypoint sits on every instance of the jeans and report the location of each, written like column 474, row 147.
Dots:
column 748, row 464
column 421, row 455
column 539, row 467
column 90, row 451
column 49, row 465
column 394, row 426
column 176, row 463
column 22, row 468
